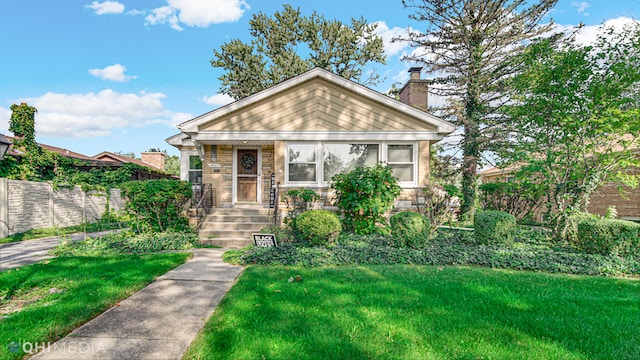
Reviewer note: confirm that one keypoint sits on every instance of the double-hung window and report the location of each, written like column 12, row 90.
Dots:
column 302, row 162
column 195, row 169
column 400, row 158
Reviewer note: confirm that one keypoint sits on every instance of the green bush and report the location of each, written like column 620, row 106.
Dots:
column 299, row 201
column 283, row 234
column 126, row 242
column 409, row 229
column 608, row 236
column 494, row 227
column 318, row 227
column 158, row 205
column 364, row 195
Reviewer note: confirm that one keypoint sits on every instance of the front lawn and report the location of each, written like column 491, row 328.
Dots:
column 43, row 302
column 421, row 312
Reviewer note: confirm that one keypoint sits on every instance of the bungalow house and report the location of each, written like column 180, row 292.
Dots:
column 301, row 132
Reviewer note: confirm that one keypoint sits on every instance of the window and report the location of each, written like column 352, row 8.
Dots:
column 195, row 169
column 400, row 158
column 317, row 162
column 342, row 158
column 302, row 162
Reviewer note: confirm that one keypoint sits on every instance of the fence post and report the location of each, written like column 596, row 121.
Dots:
column 51, row 206
column 4, row 208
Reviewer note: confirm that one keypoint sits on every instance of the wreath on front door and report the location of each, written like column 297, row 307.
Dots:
column 247, row 161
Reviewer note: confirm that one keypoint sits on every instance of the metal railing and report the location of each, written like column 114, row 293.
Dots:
column 204, row 198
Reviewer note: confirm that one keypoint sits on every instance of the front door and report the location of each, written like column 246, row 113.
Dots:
column 247, row 175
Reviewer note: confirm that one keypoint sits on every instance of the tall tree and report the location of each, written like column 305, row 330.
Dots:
column 23, row 124
column 465, row 46
column 288, row 44
column 576, row 117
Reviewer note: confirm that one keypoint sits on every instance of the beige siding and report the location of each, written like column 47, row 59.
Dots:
column 317, row 105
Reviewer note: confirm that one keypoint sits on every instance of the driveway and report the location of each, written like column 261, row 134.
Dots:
column 16, row 254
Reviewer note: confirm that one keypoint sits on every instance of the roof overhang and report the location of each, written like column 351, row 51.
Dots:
column 266, row 137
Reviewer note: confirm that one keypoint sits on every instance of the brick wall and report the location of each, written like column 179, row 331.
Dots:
column 26, row 205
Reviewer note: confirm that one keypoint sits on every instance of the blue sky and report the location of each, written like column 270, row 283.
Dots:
column 120, row 75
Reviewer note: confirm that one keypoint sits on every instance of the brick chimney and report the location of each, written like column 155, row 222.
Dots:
column 415, row 91
column 154, row 158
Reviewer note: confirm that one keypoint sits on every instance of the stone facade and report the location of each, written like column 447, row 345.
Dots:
column 26, row 205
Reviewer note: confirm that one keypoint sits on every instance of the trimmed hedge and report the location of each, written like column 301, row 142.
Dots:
column 608, row 236
column 318, row 227
column 409, row 229
column 494, row 227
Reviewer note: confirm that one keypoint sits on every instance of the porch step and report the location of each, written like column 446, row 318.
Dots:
column 233, row 227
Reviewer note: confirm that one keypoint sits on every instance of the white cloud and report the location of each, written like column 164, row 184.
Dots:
column 5, row 115
column 107, row 7
column 163, row 15
column 582, row 6
column 197, row 13
column 387, row 35
column 218, row 99
column 113, row 72
column 136, row 12
column 588, row 35
column 98, row 114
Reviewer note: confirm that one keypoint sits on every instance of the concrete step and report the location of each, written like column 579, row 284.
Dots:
column 234, row 225
column 241, row 211
column 224, row 234
column 216, row 218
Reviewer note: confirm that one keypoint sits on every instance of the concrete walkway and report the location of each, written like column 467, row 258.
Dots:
column 159, row 321
column 21, row 253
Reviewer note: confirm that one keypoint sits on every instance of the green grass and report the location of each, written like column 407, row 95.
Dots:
column 422, row 312
column 86, row 287
column 46, row 232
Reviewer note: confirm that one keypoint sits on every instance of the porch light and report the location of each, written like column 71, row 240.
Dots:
column 4, row 146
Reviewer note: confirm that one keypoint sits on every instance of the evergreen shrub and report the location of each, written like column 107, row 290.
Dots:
column 494, row 227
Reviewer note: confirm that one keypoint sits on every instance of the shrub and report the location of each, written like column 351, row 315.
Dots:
column 299, row 201
column 608, row 236
column 494, row 227
column 318, row 226
column 439, row 206
column 364, row 195
column 283, row 234
column 409, row 229
column 126, row 242
column 158, row 205
column 521, row 199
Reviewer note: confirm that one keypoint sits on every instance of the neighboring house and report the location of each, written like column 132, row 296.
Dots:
column 303, row 131
column 153, row 161
column 627, row 203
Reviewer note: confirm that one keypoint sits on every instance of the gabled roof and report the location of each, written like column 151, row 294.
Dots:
column 193, row 126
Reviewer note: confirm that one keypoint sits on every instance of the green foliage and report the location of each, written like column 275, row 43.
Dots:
column 108, row 221
column 409, row 229
column 127, row 242
column 317, row 227
column 274, row 55
column 282, row 233
column 436, row 203
column 158, row 204
column 468, row 46
column 494, row 227
column 520, row 198
column 299, row 200
column 608, row 236
column 449, row 247
column 172, row 165
column 364, row 196
column 23, row 124
column 575, row 117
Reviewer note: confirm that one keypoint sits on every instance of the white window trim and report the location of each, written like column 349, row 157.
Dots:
column 319, row 145
column 184, row 163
